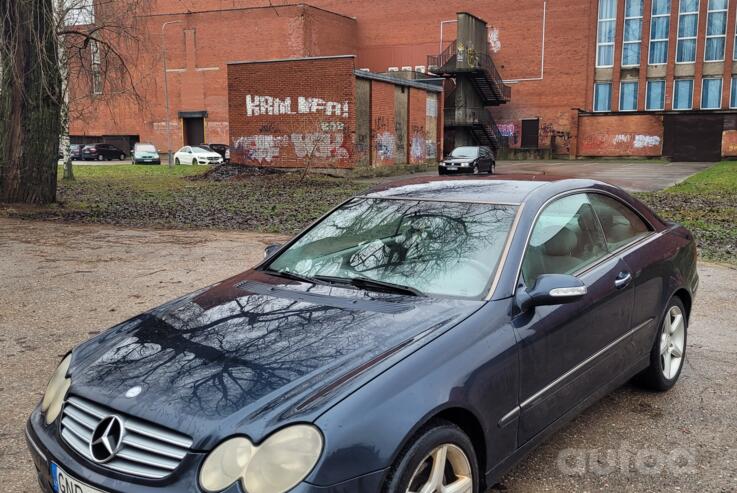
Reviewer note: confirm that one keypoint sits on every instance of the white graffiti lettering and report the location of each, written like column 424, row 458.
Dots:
column 642, row 141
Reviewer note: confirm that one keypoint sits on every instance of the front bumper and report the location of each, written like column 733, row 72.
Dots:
column 454, row 168
column 45, row 446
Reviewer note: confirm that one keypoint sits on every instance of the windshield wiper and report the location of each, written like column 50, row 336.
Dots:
column 373, row 284
column 291, row 275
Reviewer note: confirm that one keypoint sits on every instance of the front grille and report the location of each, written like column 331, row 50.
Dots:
column 147, row 451
column 213, row 158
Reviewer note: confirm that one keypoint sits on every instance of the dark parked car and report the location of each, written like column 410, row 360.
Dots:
column 145, row 154
column 102, row 152
column 468, row 159
column 421, row 337
column 221, row 149
column 75, row 151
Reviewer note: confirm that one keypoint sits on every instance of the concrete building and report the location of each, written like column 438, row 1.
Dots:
column 587, row 77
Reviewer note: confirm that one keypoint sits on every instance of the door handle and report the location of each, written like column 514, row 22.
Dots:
column 623, row 280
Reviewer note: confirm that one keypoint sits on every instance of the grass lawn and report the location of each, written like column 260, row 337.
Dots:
column 706, row 203
column 157, row 196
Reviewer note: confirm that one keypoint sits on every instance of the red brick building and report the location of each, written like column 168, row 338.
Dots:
column 588, row 77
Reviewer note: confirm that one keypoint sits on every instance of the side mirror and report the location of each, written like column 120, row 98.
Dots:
column 271, row 249
column 551, row 289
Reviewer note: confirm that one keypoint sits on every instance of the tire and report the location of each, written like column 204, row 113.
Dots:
column 442, row 172
column 414, row 466
column 176, row 161
column 100, row 157
column 666, row 348
column 122, row 157
column 476, row 169
column 491, row 167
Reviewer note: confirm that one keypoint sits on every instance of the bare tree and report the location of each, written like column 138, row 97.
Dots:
column 59, row 59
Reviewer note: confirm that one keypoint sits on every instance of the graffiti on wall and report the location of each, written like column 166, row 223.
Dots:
column 385, row 146
column 263, row 149
column 269, row 105
column 510, row 130
column 260, row 148
column 418, row 145
column 560, row 140
column 494, row 43
column 319, row 145
column 604, row 143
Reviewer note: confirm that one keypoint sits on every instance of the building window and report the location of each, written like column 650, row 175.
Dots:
column 606, row 29
column 603, row 96
column 716, row 30
column 628, row 96
column 632, row 33
column 688, row 28
column 655, row 95
column 711, row 94
column 659, row 32
column 733, row 94
column 683, row 94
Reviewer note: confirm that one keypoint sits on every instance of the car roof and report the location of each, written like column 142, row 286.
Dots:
column 497, row 189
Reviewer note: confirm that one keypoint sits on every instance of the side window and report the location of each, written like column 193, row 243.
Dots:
column 565, row 238
column 621, row 224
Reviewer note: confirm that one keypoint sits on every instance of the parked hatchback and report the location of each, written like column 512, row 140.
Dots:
column 468, row 159
column 145, row 154
column 102, row 152
column 197, row 155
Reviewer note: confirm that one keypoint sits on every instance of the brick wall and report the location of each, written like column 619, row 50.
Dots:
column 620, row 135
column 383, row 133
column 293, row 113
column 418, row 133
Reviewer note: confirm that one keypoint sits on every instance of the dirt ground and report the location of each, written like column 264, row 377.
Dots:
column 61, row 283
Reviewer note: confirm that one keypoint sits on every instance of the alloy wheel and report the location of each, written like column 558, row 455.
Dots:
column 672, row 338
column 445, row 470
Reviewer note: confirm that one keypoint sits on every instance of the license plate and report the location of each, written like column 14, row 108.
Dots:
column 148, row 160
column 64, row 483
column 452, row 168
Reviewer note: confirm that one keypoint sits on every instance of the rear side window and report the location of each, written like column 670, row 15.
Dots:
column 565, row 239
column 621, row 224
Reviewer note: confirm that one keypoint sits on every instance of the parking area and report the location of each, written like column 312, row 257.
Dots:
column 62, row 283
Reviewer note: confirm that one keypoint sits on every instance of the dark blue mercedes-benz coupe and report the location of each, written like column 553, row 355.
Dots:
column 421, row 337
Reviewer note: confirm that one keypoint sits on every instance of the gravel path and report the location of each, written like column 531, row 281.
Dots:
column 61, row 283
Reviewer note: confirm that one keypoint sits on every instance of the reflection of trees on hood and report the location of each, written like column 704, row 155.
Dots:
column 418, row 240
column 233, row 353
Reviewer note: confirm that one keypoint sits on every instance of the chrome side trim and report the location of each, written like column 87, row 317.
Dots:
column 527, row 402
column 35, row 447
column 509, row 417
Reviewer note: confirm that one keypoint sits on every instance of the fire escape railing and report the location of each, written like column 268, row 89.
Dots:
column 483, row 62
column 474, row 116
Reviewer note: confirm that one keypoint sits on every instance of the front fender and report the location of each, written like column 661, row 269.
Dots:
column 473, row 367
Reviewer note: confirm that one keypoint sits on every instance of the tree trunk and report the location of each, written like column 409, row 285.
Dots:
column 30, row 102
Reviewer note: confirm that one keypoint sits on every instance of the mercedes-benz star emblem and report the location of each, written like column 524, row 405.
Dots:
column 107, row 439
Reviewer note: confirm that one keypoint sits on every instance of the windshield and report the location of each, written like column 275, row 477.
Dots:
column 145, row 148
column 200, row 150
column 441, row 248
column 465, row 152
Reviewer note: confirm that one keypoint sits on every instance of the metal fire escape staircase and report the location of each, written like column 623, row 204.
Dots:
column 488, row 84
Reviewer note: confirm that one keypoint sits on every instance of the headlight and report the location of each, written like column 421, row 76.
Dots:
column 56, row 390
column 277, row 465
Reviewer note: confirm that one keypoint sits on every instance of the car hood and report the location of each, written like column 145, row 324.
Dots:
column 146, row 154
column 254, row 352
column 459, row 160
column 207, row 154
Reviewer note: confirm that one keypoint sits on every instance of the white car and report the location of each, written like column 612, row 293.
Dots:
column 196, row 155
